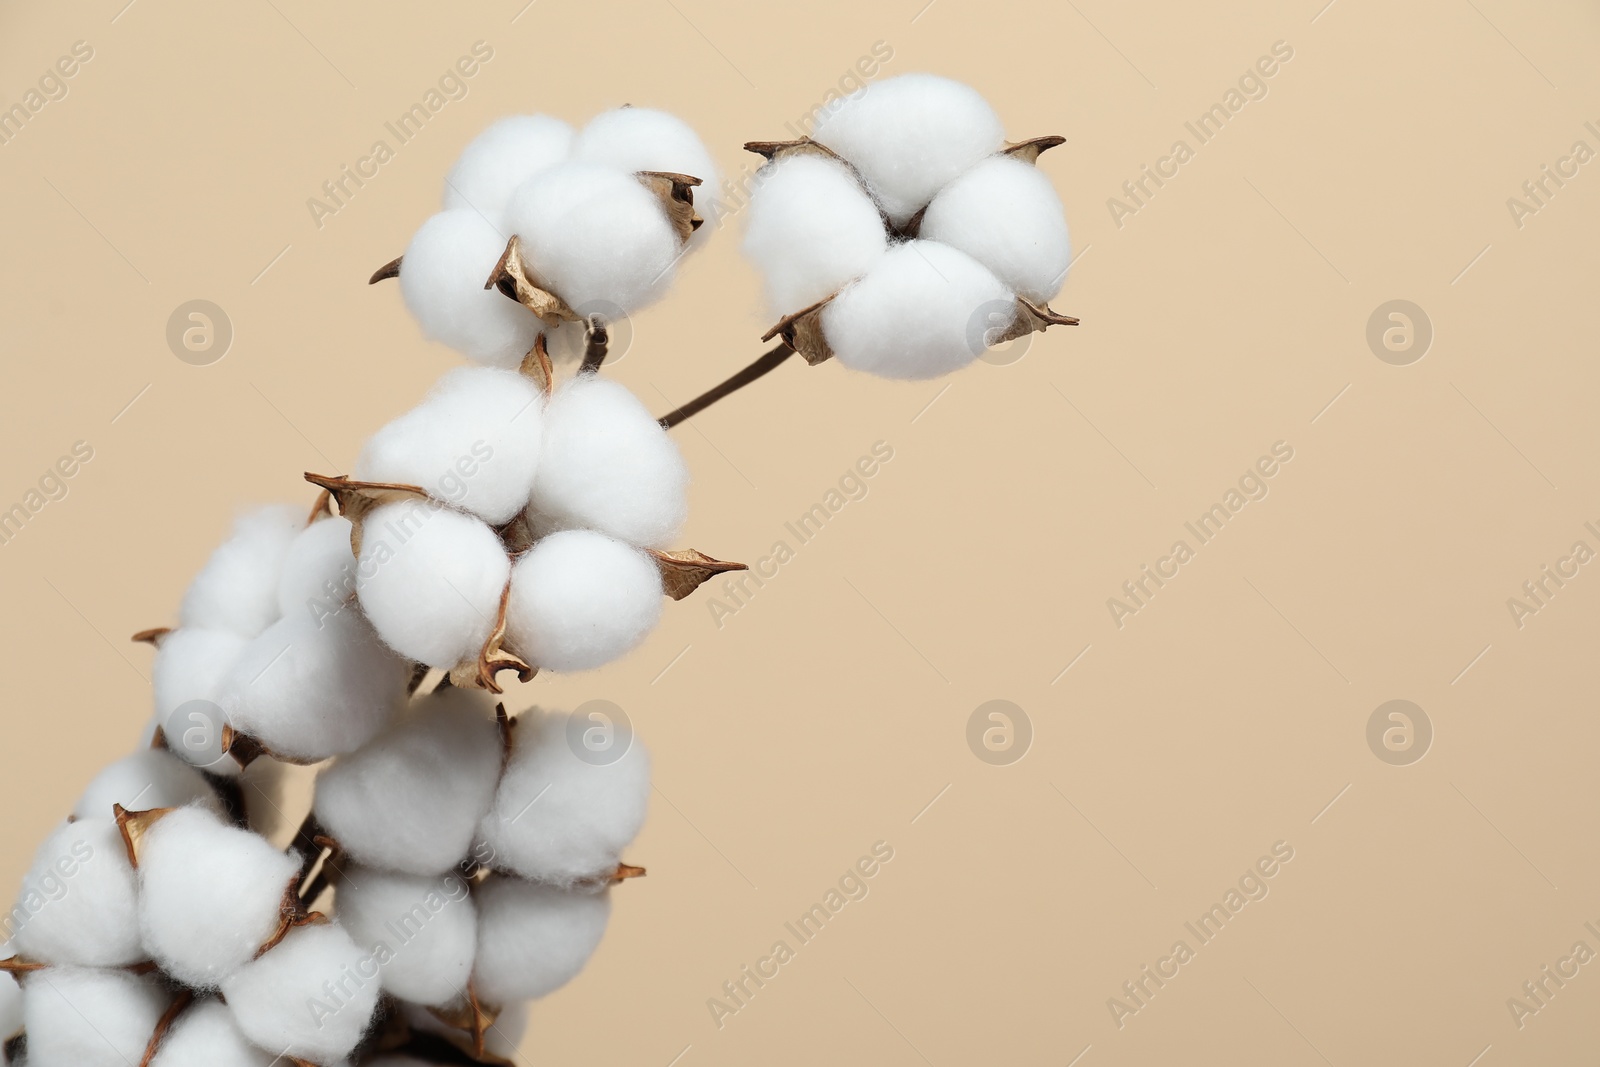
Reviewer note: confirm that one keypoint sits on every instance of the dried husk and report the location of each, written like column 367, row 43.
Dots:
column 134, row 825
column 390, row 269
column 1030, row 150
column 685, row 570
column 472, row 1017
column 802, row 331
column 512, row 276
column 493, row 657
column 676, row 193
column 356, row 499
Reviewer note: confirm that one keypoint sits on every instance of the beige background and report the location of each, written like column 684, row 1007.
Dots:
column 827, row 714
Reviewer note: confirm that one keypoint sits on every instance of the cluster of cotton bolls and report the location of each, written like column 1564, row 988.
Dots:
column 909, row 215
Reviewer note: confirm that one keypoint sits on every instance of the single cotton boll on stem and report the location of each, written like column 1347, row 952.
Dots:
column 446, row 265
column 144, row 780
column 812, row 230
column 534, row 939
column 87, row 1018
column 607, row 465
column 580, row 599
column 79, row 902
column 205, row 1035
column 319, row 555
column 311, row 996
column 427, row 924
column 911, row 135
column 586, row 813
column 1005, row 214
column 501, row 158
column 210, row 895
column 237, row 589
column 430, row 579
column 474, row 442
column 924, row 310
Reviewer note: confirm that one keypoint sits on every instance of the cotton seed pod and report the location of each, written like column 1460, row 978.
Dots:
column 237, row 589
column 430, row 580
column 1005, row 214
column 319, row 555
column 607, row 465
column 79, row 902
column 474, row 442
column 502, row 157
column 411, row 799
column 192, row 664
column 205, row 1035
column 311, row 996
column 446, row 264
column 86, row 1018
column 147, row 779
column 580, row 599
column 585, row 815
column 210, row 895
column 534, row 939
column 423, row 930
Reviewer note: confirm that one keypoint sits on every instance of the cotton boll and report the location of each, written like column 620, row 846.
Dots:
column 411, row 799
column 446, row 265
column 1005, row 214
column 144, row 780
column 237, row 589
column 310, row 691
column 319, row 555
column 87, row 1018
column 580, row 599
column 534, row 939
column 473, row 442
column 607, row 465
column 430, row 581
column 210, row 895
column 311, row 996
column 191, row 664
column 205, row 1035
column 427, row 923
column 10, row 1005
column 812, row 230
column 922, row 311
column 595, row 236
column 586, row 813
column 910, row 135
column 79, row 902
column 641, row 138
column 501, row 158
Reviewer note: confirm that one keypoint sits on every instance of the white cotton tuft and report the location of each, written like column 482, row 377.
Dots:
column 587, row 812
column 309, row 691
column 319, row 555
column 501, row 158
column 85, row 1018
column 442, row 278
column 427, row 926
column 237, row 589
column 534, row 939
column 911, row 135
column 924, row 310
column 10, row 1006
column 192, row 664
column 311, row 996
column 812, row 230
column 205, row 1035
column 411, row 799
column 1005, row 214
column 210, row 895
column 642, row 138
column 430, row 580
column 473, row 442
column 607, row 465
column 595, row 236
column 147, row 779
column 580, row 599
column 79, row 902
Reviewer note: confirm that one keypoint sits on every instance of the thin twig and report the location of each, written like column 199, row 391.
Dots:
column 764, row 365
column 597, row 344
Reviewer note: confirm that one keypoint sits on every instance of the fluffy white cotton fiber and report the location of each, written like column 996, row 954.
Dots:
column 79, row 902
column 922, row 311
column 191, row 664
column 85, row 1018
column 812, row 230
column 411, row 799
column 205, row 1035
column 10, row 1004
column 431, row 580
column 309, row 691
column 311, row 996
column 319, row 555
column 595, row 236
column 641, row 138
column 446, row 265
column 423, row 929
column 557, row 818
column 534, row 939
column 1005, row 214
column 473, row 442
column 210, row 895
column 501, row 158
column 144, row 780
column 237, row 589
column 607, row 465
column 580, row 599
column 911, row 135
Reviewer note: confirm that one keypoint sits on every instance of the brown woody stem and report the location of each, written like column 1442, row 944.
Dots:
column 764, row 365
column 597, row 344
